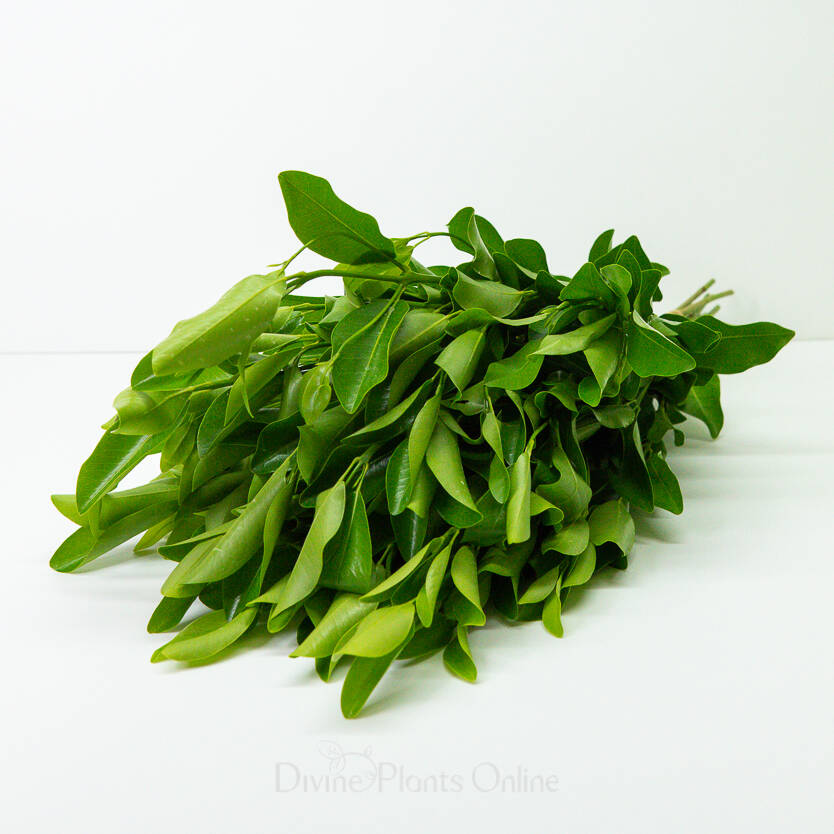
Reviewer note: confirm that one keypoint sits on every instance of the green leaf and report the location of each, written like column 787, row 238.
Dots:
column 601, row 246
column 362, row 361
column 517, row 371
column 142, row 413
column 329, row 226
column 72, row 554
column 347, row 556
column 571, row 539
column 381, row 631
column 570, row 492
column 457, row 656
column 460, row 358
column 465, row 576
column 398, row 483
column 330, row 508
column 384, row 589
column 241, row 541
column 205, row 637
column 615, row 416
column 314, row 394
column 541, row 587
column 497, row 299
column 528, row 254
column 114, row 456
column 418, row 329
column 72, row 551
column 603, row 357
column 704, row 402
column 696, row 336
column 225, row 329
column 344, row 612
column 631, row 479
column 573, row 341
column 650, row 353
column 742, row 346
column 588, row 285
column 666, row 492
column 256, row 377
column 552, row 612
column 169, row 613
column 582, row 567
column 427, row 597
column 458, row 228
column 443, row 458
column 482, row 263
column 420, row 436
column 518, row 505
column 361, row 680
column 612, row 522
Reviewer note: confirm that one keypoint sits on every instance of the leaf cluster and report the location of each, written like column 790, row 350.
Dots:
column 379, row 471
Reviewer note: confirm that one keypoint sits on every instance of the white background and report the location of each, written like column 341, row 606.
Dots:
column 141, row 144
column 139, row 150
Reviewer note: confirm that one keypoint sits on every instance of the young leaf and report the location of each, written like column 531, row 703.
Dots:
column 328, row 225
column 114, row 456
column 381, row 631
column 205, row 636
column 224, row 330
column 458, row 656
column 573, row 341
column 345, row 611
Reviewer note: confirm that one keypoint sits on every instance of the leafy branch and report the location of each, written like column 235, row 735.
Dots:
column 383, row 471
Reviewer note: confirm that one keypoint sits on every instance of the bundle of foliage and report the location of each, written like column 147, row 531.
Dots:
column 381, row 470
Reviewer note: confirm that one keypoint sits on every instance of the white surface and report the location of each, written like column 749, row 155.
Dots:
column 141, row 142
column 691, row 693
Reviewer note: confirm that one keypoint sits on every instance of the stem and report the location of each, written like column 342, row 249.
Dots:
column 695, row 304
column 698, row 293
column 426, row 235
column 300, row 278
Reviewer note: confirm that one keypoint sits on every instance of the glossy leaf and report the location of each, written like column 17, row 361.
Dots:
column 443, row 458
column 666, row 492
column 205, row 637
column 497, row 299
column 612, row 522
column 742, row 346
column 459, row 359
column 345, row 611
column 573, row 341
column 458, row 656
column 381, row 631
column 517, row 371
column 328, row 225
column 347, row 558
column 650, row 353
column 330, row 508
column 114, row 456
column 704, row 402
column 225, row 329
column 362, row 361
column 518, row 505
